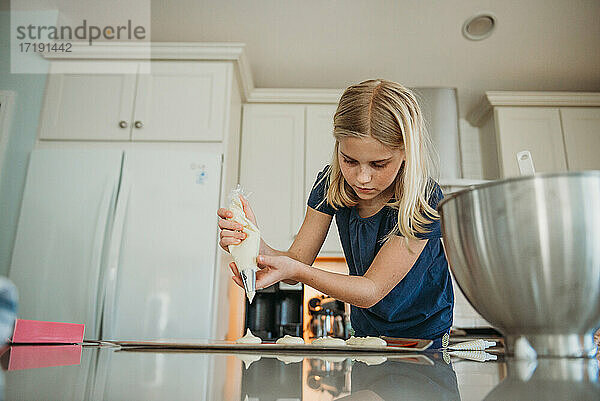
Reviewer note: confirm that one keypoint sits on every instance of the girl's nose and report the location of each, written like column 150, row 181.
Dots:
column 364, row 175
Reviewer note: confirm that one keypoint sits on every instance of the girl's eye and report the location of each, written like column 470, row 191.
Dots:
column 377, row 165
column 350, row 162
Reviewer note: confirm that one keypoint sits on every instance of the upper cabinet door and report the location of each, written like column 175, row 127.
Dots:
column 581, row 128
column 182, row 101
column 319, row 150
column 536, row 129
column 88, row 106
column 272, row 169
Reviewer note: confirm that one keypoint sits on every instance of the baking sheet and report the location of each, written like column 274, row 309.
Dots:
column 397, row 347
column 416, row 358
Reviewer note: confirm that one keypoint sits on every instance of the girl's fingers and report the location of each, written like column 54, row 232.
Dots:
column 232, row 234
column 229, row 225
column 234, row 269
column 266, row 278
column 236, row 274
column 238, row 281
column 224, row 213
column 226, row 241
column 264, row 261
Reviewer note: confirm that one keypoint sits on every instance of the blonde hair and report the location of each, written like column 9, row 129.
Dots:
column 389, row 113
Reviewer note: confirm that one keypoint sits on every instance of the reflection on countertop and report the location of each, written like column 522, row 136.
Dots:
column 107, row 373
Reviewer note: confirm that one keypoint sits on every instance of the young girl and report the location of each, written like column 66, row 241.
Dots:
column 379, row 188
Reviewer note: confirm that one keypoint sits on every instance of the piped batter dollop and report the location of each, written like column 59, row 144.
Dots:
column 249, row 338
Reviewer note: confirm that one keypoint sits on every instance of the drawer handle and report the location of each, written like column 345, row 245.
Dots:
column 138, row 124
column 123, row 124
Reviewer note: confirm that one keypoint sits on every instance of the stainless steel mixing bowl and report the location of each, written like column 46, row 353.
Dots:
column 526, row 254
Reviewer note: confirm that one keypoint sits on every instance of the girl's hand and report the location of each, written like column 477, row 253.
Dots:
column 273, row 269
column 236, row 274
column 231, row 231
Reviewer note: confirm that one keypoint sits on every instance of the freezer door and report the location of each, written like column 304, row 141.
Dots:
column 66, row 211
column 163, row 259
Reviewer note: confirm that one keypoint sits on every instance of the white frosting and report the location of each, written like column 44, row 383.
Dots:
column 354, row 341
column 248, row 359
column 249, row 338
column 366, row 342
column 372, row 360
column 290, row 340
column 244, row 254
column 329, row 342
column 332, row 358
column 287, row 359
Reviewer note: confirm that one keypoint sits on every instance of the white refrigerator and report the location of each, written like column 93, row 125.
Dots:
column 124, row 241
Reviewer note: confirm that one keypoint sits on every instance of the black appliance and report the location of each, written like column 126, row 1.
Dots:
column 275, row 312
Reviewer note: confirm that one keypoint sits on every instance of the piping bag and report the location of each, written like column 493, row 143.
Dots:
column 244, row 254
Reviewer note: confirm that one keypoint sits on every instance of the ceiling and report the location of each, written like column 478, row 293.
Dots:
column 537, row 45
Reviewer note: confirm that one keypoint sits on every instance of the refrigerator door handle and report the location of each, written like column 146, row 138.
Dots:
column 99, row 241
column 112, row 265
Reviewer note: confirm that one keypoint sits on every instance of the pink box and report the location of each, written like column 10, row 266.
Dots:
column 37, row 332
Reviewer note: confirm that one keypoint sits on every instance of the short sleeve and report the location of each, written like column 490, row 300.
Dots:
column 316, row 199
column 434, row 228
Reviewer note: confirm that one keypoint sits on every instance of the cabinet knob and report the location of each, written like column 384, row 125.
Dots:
column 123, row 124
column 138, row 124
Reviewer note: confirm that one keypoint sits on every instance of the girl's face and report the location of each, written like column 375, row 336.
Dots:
column 368, row 166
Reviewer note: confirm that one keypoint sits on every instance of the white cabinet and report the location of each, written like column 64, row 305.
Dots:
column 175, row 101
column 319, row 148
column 272, row 168
column 284, row 146
column 182, row 101
column 88, row 106
column 561, row 134
column 536, row 129
column 581, row 130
